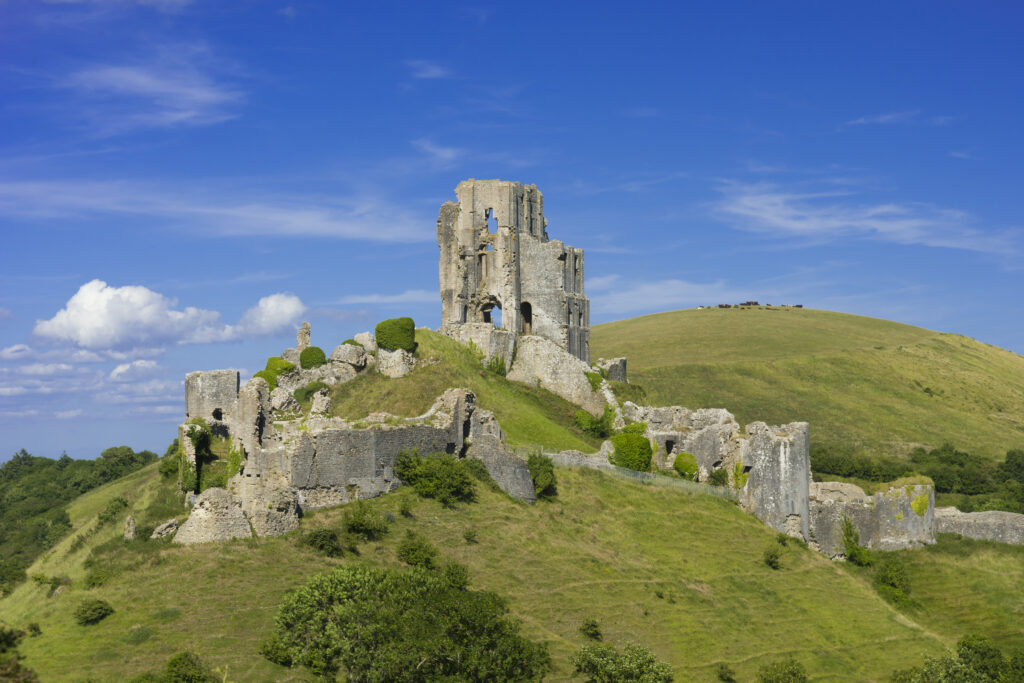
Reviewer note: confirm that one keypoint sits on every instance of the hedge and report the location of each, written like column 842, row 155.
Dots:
column 632, row 451
column 396, row 333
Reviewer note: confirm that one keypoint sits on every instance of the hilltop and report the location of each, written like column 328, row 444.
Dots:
column 880, row 386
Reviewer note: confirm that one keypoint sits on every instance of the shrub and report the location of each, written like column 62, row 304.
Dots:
column 186, row 667
column 360, row 520
column 92, row 611
column 312, row 357
column 635, row 428
column 856, row 553
column 591, row 629
column 719, row 477
column 595, row 380
column 599, row 427
column 725, row 673
column 786, row 671
column 773, row 557
column 352, row 342
column 686, row 465
column 439, row 476
column 324, row 541
column 740, row 475
column 470, row 536
column 396, row 333
column 275, row 366
column 305, row 394
column 476, row 468
column 602, row 664
column 405, row 508
column 456, row 575
column 138, row 635
column 114, row 507
column 632, row 451
column 782, row 539
column 542, row 471
column 417, row 551
column 496, row 365
column 33, row 629
column 381, row 625
column 169, row 463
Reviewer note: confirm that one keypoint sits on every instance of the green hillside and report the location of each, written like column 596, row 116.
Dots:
column 681, row 573
column 881, row 386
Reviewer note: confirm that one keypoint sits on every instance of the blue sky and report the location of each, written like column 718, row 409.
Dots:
column 182, row 182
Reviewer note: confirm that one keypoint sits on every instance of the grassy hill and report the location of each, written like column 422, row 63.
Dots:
column 882, row 386
column 679, row 572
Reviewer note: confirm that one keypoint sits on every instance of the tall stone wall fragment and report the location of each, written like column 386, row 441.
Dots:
column 216, row 516
column 777, row 460
column 496, row 256
column 212, row 396
column 901, row 517
column 615, row 367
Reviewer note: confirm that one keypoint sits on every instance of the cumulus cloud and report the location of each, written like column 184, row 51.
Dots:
column 128, row 372
column 99, row 316
column 271, row 315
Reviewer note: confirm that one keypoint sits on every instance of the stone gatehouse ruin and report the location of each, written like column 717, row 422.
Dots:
column 496, row 259
column 496, row 256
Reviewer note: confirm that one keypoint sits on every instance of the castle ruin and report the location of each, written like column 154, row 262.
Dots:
column 496, row 257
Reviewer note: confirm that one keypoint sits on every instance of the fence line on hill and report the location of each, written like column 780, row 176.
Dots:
column 571, row 459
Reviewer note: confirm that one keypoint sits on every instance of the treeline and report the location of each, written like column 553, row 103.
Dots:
column 982, row 485
column 34, row 494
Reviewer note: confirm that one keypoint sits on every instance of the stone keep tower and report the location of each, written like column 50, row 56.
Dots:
column 495, row 254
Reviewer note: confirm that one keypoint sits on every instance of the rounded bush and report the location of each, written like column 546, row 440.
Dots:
column 396, row 333
column 686, row 465
column 632, row 451
column 417, row 551
column 92, row 611
column 312, row 357
column 542, row 471
column 719, row 477
column 187, row 667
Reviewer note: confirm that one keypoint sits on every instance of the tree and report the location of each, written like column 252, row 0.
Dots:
column 602, row 664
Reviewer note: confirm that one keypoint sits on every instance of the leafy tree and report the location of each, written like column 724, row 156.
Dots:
column 785, row 671
column 386, row 625
column 542, row 471
column 600, row 663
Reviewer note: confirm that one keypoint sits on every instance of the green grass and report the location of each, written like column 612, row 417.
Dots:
column 605, row 549
column 528, row 415
column 856, row 380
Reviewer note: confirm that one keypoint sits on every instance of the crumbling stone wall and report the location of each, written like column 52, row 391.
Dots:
column 213, row 396
column 495, row 254
column 902, row 517
column 993, row 525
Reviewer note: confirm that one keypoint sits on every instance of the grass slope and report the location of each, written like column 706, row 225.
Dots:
column 883, row 386
column 679, row 572
column 528, row 415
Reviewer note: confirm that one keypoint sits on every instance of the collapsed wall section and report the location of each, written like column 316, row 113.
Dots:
column 901, row 517
column 212, row 395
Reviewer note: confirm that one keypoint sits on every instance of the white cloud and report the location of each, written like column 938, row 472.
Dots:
column 817, row 217
column 907, row 116
column 16, row 352
column 45, row 369
column 149, row 391
column 99, row 316
column 16, row 413
column 273, row 314
column 439, row 153
column 406, row 297
column 129, row 372
column 225, row 212
column 422, row 68
column 661, row 295
column 68, row 414
column 12, row 391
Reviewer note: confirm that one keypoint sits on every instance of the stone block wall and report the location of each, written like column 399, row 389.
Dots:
column 992, row 525
column 902, row 517
column 211, row 395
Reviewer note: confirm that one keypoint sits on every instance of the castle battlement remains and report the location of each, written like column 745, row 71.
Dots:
column 496, row 256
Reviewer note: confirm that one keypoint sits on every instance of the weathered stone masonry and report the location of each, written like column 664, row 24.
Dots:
column 495, row 254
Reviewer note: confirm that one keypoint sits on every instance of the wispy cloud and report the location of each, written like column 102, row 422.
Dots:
column 406, row 297
column 175, row 88
column 226, row 212
column 818, row 217
column 68, row 414
column 889, row 118
column 422, row 68
column 962, row 154
column 439, row 153
column 613, row 294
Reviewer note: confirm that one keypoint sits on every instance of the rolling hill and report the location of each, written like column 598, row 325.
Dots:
column 881, row 386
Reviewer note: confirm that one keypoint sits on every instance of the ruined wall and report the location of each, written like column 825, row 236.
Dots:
column 778, row 464
column 993, row 525
column 902, row 517
column 495, row 254
column 213, row 396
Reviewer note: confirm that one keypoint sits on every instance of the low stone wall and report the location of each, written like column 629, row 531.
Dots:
column 992, row 525
column 902, row 517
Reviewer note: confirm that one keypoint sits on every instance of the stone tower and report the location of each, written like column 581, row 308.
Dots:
column 496, row 256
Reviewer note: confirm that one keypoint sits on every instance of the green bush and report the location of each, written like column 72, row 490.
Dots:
column 456, row 575
column 275, row 366
column 396, row 333
column 324, row 541
column 312, row 357
column 686, row 465
column 632, row 451
column 186, row 667
column 602, row 664
column 595, row 380
column 305, row 394
column 719, row 477
column 542, row 471
column 599, row 427
column 496, row 365
column 439, row 476
column 855, row 553
column 470, row 536
column 168, row 466
column 786, row 671
column 352, row 342
column 359, row 520
column 591, row 629
column 414, row 625
column 92, row 611
column 417, row 551
column 114, row 507
column 635, row 428
column 725, row 673
column 773, row 557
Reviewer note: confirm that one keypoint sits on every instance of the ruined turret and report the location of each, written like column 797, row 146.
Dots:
column 496, row 259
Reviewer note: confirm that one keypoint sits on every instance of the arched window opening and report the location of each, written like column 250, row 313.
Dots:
column 490, row 312
column 527, row 315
